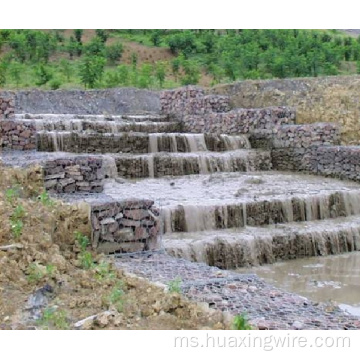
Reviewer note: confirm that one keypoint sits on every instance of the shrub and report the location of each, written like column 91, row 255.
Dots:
column 240, row 323
column 55, row 84
column 175, row 285
column 91, row 70
column 54, row 318
column 114, row 52
column 43, row 74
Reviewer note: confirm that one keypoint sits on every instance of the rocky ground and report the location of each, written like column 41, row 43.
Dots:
column 49, row 279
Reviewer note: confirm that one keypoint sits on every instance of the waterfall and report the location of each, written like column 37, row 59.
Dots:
column 150, row 161
column 153, row 143
column 109, row 167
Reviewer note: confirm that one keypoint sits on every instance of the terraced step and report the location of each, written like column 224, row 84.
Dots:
column 108, row 117
column 233, row 200
column 232, row 248
column 179, row 164
column 102, row 126
column 137, row 142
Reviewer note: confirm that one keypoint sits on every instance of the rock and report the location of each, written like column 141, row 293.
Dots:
column 297, row 325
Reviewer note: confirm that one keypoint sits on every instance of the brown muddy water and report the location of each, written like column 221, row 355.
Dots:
column 331, row 278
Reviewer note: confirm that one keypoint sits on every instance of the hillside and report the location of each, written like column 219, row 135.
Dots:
column 68, row 59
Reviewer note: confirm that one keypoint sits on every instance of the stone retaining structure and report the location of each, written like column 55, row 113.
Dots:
column 239, row 121
column 18, row 135
column 7, row 106
column 335, row 161
column 70, row 175
column 191, row 100
column 297, row 136
column 130, row 225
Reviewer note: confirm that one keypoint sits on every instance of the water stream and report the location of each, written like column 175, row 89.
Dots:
column 330, row 278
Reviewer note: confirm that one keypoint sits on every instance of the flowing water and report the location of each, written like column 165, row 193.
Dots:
column 335, row 278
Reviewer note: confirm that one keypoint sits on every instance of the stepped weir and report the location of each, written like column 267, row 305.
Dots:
column 203, row 187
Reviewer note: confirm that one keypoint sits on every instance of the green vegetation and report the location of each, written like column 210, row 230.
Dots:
column 37, row 272
column 53, row 318
column 240, row 323
column 116, row 296
column 45, row 199
column 86, row 258
column 175, row 285
column 55, row 59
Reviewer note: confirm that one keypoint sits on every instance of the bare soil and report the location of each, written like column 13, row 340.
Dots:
column 45, row 261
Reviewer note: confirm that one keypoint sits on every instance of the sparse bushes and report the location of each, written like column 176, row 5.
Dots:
column 91, row 70
column 114, row 52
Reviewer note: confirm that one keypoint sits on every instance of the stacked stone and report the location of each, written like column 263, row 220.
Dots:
column 70, row 175
column 94, row 143
column 307, row 135
column 239, row 121
column 127, row 226
column 191, row 101
column 18, row 135
column 7, row 107
column 336, row 161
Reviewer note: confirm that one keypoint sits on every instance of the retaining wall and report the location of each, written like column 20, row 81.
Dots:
column 126, row 226
column 326, row 98
column 239, row 120
column 70, row 175
column 7, row 106
column 191, row 100
column 17, row 135
column 335, row 161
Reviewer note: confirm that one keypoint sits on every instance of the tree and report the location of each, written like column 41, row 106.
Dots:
column 15, row 71
column 123, row 74
column 43, row 74
column 134, row 60
column 71, row 47
column 160, row 72
column 155, row 37
column 175, row 67
column 102, row 35
column 114, row 52
column 192, row 73
column 78, row 33
column 3, row 68
column 91, row 70
column 95, row 47
column 145, row 79
column 66, row 69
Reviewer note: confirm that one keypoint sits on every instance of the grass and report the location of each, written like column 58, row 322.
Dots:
column 241, row 323
column 37, row 272
column 53, row 318
column 116, row 296
column 45, row 199
column 174, row 286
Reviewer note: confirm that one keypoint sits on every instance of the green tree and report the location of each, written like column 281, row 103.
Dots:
column 66, row 69
column 91, row 70
column 145, row 78
column 175, row 67
column 123, row 75
column 102, row 35
column 3, row 69
column 160, row 72
column 155, row 37
column 78, row 33
column 15, row 71
column 134, row 59
column 114, row 52
column 43, row 74
column 95, row 47
column 192, row 73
